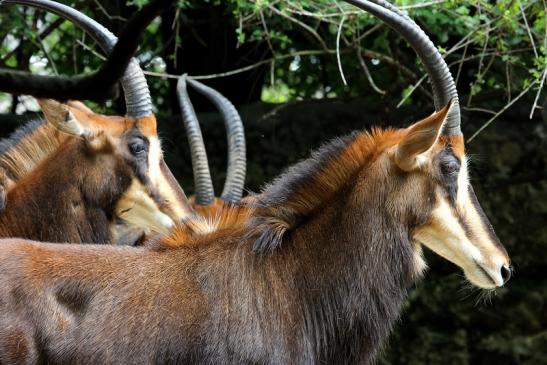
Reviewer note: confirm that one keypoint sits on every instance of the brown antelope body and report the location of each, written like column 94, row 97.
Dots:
column 314, row 270
column 316, row 274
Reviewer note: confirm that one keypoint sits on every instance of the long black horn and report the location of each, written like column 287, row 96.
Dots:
column 237, row 158
column 444, row 88
column 137, row 96
column 205, row 193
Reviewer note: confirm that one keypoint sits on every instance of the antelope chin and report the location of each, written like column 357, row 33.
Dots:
column 482, row 276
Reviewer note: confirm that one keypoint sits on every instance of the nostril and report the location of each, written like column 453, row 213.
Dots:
column 506, row 272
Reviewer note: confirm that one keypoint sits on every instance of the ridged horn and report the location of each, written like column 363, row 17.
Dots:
column 137, row 96
column 204, row 193
column 237, row 158
column 444, row 88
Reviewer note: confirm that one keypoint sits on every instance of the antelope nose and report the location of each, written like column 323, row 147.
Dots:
column 506, row 272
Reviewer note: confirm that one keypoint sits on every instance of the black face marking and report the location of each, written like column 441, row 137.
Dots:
column 450, row 166
column 137, row 144
column 138, row 147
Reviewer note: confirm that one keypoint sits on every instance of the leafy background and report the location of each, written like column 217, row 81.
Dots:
column 283, row 63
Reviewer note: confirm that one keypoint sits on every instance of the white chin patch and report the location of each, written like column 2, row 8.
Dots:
column 138, row 208
column 419, row 266
column 480, row 279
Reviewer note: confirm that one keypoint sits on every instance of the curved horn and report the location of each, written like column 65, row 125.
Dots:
column 237, row 159
column 137, row 96
column 444, row 88
column 205, row 193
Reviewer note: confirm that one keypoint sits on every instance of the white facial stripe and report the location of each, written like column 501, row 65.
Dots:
column 463, row 183
column 481, row 237
column 446, row 236
column 155, row 155
column 138, row 208
column 495, row 258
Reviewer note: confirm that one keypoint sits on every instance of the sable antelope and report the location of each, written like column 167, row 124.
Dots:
column 82, row 177
column 31, row 144
column 34, row 142
column 316, row 272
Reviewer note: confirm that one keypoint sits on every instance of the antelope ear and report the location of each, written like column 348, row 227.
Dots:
column 80, row 106
column 60, row 116
column 420, row 137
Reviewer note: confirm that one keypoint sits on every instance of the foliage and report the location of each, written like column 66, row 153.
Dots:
column 502, row 48
column 490, row 46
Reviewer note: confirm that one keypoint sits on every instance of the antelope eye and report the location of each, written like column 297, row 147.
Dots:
column 137, row 147
column 450, row 168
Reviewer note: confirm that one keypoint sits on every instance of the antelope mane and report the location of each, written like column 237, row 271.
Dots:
column 291, row 198
column 27, row 147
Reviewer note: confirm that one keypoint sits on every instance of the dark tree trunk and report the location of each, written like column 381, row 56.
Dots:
column 208, row 45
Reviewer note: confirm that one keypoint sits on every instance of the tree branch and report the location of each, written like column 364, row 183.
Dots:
column 97, row 86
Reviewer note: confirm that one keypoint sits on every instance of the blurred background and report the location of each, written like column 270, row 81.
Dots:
column 301, row 72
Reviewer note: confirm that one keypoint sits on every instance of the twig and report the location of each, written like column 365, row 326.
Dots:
column 538, row 93
column 390, row 61
column 481, row 58
column 414, row 87
column 272, row 65
column 272, row 73
column 301, row 24
column 322, row 17
column 110, row 17
column 507, row 106
column 176, row 30
column 367, row 73
column 508, row 78
column 90, row 49
column 340, row 69
column 48, row 56
column 488, row 111
column 238, row 70
column 460, row 65
column 528, row 28
column 421, row 5
column 368, row 32
column 366, row 53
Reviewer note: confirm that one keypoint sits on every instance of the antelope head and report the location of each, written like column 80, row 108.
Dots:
column 123, row 151
column 431, row 183
column 153, row 200
column 432, row 188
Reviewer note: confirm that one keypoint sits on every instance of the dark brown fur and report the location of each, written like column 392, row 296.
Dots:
column 328, row 290
column 61, row 188
column 67, row 199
